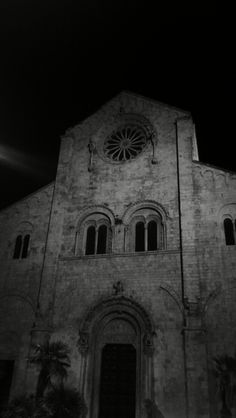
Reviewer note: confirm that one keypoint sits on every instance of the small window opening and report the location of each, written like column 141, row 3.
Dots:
column 25, row 246
column 139, row 237
column 18, row 245
column 102, row 239
column 6, row 373
column 90, row 241
column 229, row 232
column 152, row 236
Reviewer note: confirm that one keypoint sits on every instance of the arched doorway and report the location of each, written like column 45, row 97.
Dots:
column 117, row 394
column 117, row 347
column 116, row 343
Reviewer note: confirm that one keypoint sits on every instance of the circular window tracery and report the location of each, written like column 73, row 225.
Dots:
column 125, row 143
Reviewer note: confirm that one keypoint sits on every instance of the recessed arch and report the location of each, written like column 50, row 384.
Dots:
column 94, row 231
column 120, row 304
column 19, row 296
column 25, row 227
column 96, row 209
column 154, row 217
column 21, row 239
column 149, row 204
column 111, row 323
column 227, row 218
column 229, row 229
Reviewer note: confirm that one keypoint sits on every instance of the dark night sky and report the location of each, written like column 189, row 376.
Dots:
column 61, row 60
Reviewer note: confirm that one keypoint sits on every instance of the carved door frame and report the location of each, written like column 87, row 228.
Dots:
column 91, row 342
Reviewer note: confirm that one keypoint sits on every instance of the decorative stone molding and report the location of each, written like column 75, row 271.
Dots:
column 83, row 342
column 193, row 311
column 210, row 298
column 123, row 124
column 227, row 210
column 89, row 210
column 115, row 306
column 153, row 139
column 148, row 346
column 145, row 211
column 117, row 320
column 143, row 204
column 174, row 295
column 118, row 288
column 94, row 215
column 92, row 149
column 214, row 175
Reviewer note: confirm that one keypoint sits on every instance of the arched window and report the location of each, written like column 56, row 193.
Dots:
column 139, row 236
column 102, row 239
column 229, row 232
column 152, row 236
column 94, row 231
column 25, row 246
column 96, row 240
column 145, row 227
column 22, row 241
column 146, row 235
column 21, row 246
column 97, row 237
column 90, row 240
column 18, row 245
column 6, row 374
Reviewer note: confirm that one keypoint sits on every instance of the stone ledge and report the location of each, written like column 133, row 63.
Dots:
column 113, row 255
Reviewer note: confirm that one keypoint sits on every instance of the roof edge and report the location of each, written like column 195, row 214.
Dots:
column 128, row 93
column 131, row 93
column 214, row 166
column 27, row 196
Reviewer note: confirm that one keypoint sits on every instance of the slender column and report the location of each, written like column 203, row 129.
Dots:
column 145, row 237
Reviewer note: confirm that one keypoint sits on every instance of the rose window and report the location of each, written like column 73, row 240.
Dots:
column 125, row 143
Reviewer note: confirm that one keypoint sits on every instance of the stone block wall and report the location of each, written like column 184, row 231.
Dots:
column 187, row 297
column 20, row 277
column 79, row 282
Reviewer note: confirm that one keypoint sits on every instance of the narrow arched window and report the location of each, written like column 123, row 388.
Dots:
column 90, row 240
column 229, row 232
column 102, row 240
column 25, row 246
column 6, row 374
column 139, row 236
column 18, row 245
column 152, row 236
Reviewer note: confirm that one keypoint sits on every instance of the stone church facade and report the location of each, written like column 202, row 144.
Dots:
column 129, row 258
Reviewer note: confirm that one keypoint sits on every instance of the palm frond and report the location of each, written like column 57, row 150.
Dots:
column 53, row 359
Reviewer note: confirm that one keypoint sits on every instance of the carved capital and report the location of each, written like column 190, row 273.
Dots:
column 148, row 346
column 83, row 342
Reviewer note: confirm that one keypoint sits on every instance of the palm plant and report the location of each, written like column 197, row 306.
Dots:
column 225, row 374
column 53, row 360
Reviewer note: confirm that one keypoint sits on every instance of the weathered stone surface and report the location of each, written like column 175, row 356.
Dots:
column 192, row 313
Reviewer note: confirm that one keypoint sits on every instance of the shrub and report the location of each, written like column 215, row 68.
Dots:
column 20, row 407
column 62, row 403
